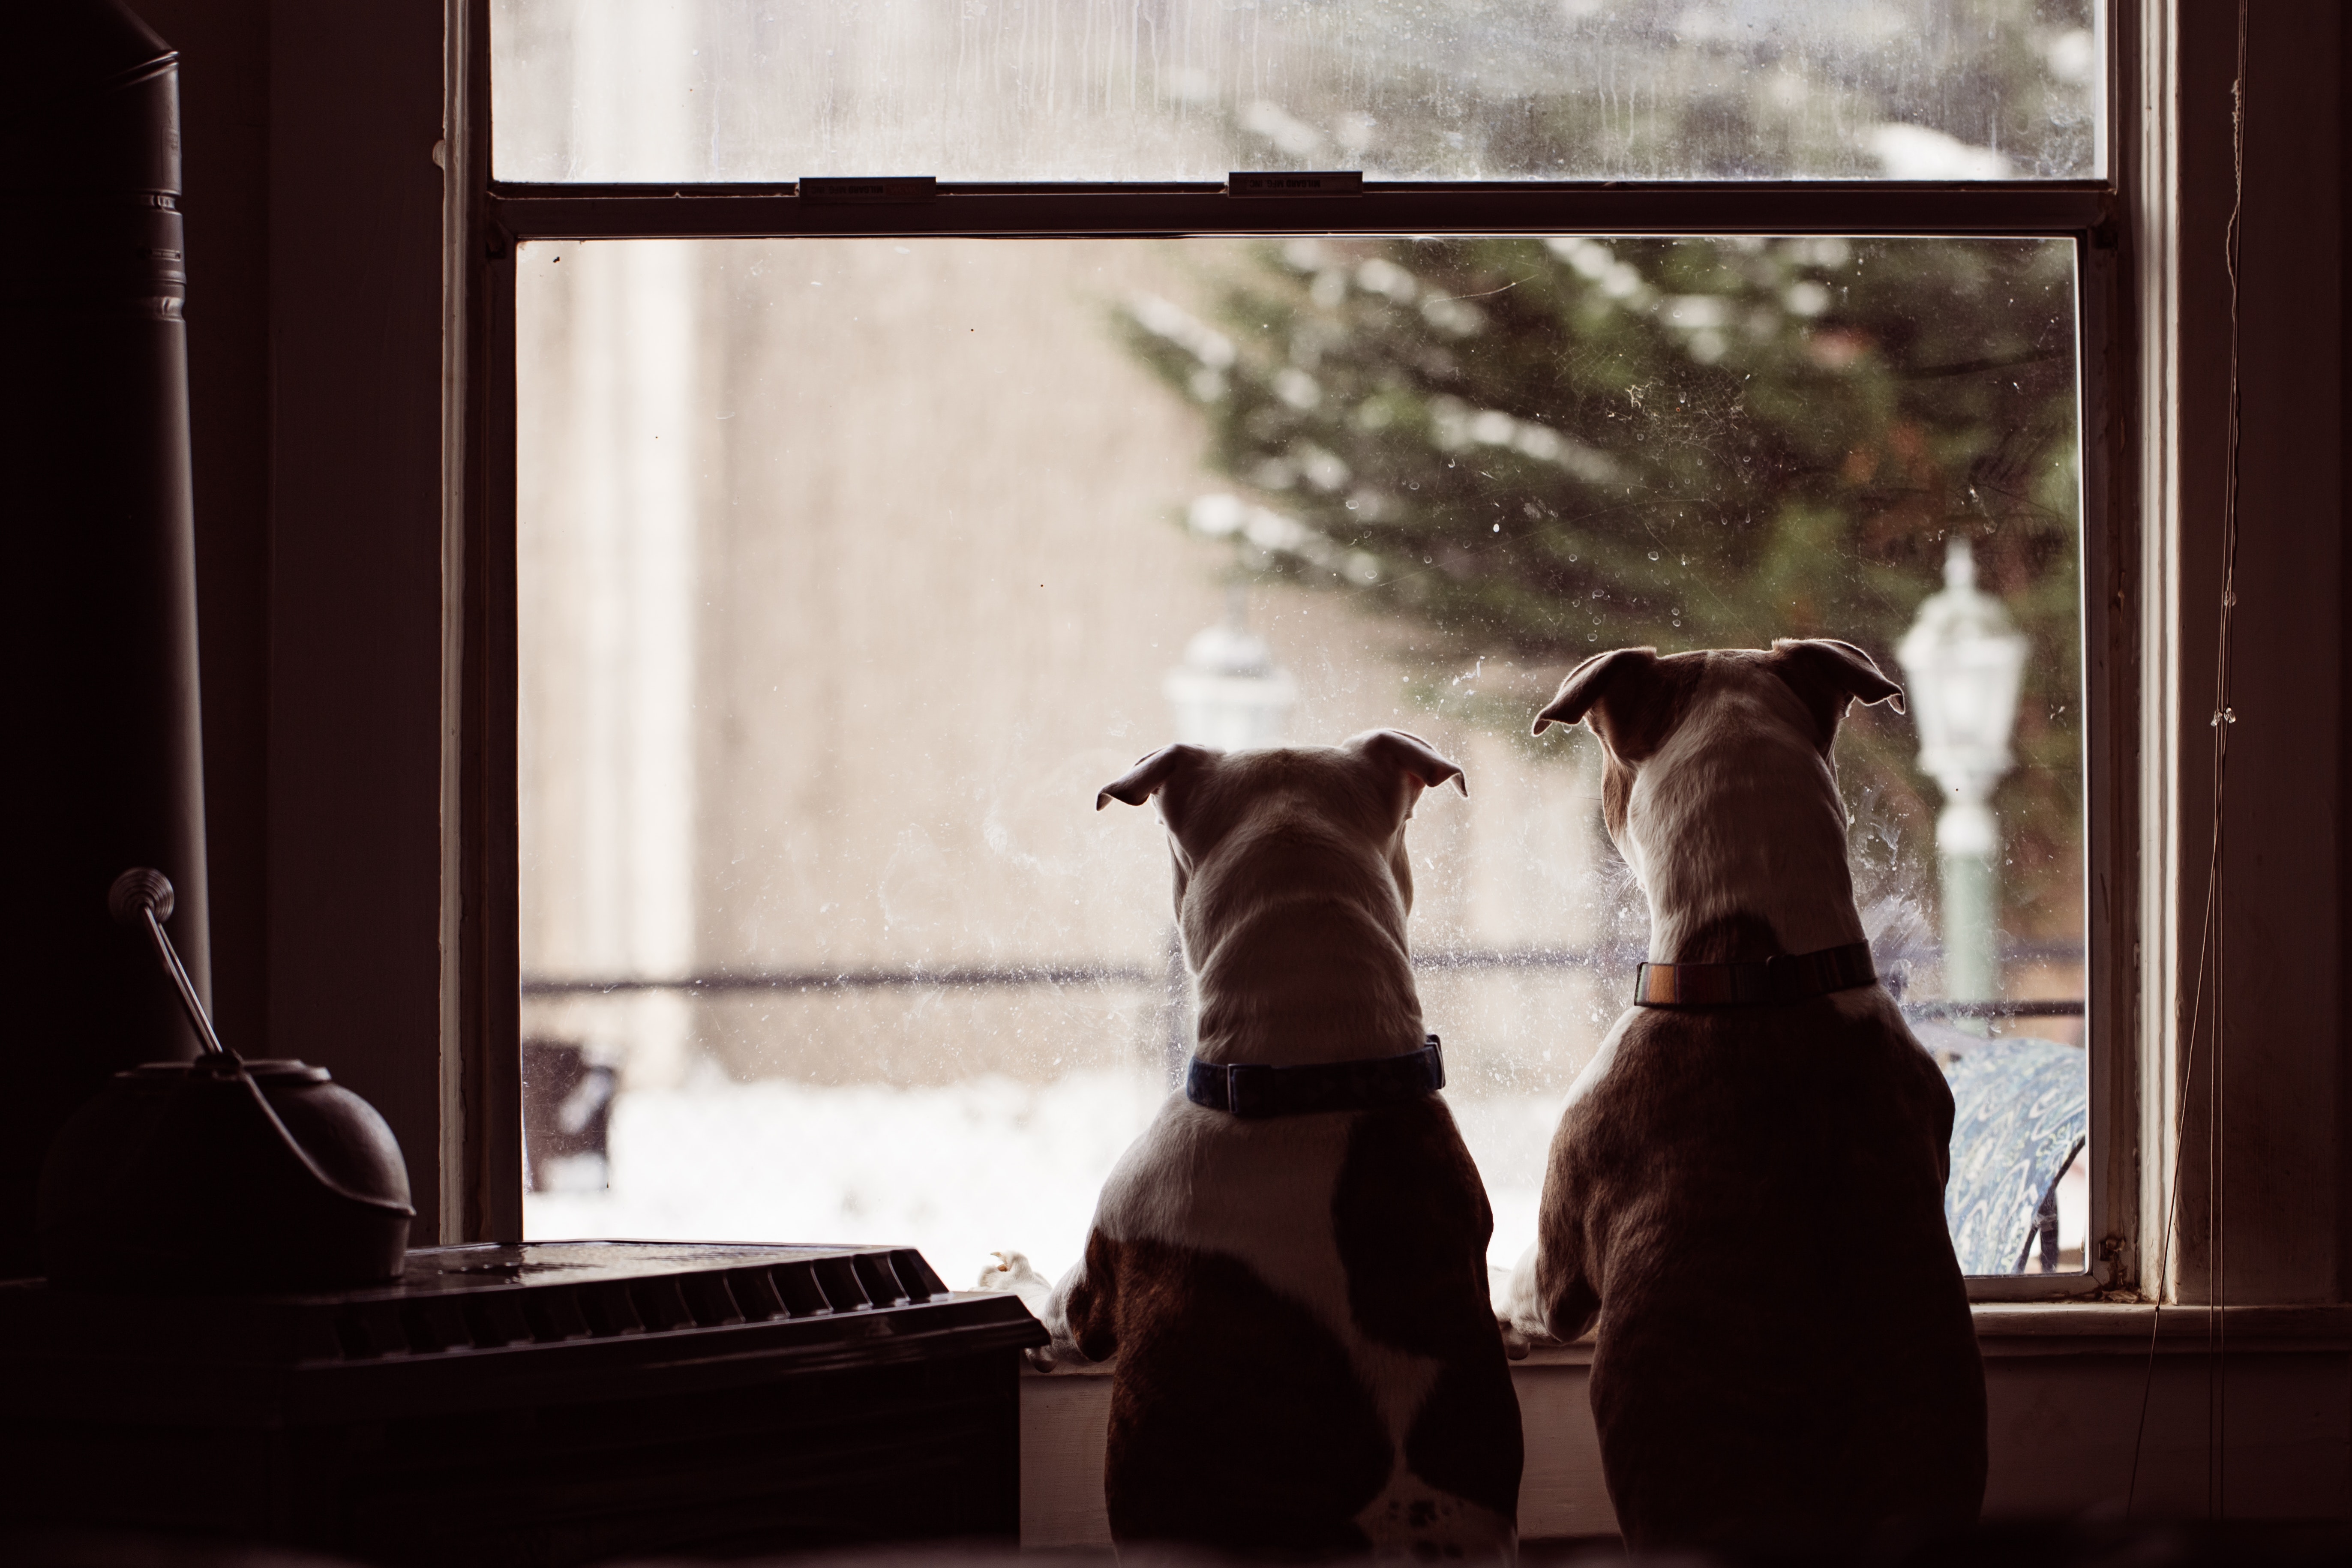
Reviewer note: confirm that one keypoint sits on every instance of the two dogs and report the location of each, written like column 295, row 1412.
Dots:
column 1744, row 1191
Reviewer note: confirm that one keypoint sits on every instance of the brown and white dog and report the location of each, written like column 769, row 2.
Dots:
column 1307, row 1360
column 1747, row 1189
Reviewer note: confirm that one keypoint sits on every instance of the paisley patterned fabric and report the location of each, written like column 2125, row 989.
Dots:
column 2022, row 1112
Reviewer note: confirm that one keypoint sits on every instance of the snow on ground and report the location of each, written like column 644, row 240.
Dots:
column 958, row 1171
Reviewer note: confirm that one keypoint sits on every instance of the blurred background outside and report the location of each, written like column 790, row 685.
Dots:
column 660, row 90
column 851, row 569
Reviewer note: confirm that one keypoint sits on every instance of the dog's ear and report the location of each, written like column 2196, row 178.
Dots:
column 1616, row 672
column 1631, row 698
column 1827, row 675
column 1411, row 755
column 1151, row 774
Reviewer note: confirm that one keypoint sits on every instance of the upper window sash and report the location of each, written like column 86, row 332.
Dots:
column 728, row 90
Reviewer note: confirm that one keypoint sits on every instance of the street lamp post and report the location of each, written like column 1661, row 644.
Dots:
column 1229, row 693
column 1963, row 660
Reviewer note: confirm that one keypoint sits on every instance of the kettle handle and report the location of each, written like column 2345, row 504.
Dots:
column 142, row 896
column 383, row 1205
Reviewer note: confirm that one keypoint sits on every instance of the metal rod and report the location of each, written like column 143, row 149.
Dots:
column 186, row 988
column 144, row 895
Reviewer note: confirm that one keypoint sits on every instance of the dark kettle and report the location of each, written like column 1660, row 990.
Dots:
column 220, row 1173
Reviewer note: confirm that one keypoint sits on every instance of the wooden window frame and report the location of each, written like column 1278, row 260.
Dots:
column 2131, row 702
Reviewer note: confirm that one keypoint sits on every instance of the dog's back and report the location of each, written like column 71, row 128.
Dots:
column 1305, row 1362
column 1295, row 1292
column 1809, row 1391
column 1748, row 1183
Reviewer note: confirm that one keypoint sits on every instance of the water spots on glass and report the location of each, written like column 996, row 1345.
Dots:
column 819, row 702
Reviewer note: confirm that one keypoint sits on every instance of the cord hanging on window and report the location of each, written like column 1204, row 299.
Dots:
column 2211, row 948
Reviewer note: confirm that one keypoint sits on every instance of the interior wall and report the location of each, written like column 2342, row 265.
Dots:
column 355, row 685
column 2262, row 1221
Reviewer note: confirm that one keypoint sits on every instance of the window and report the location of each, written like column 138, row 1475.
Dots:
column 849, row 556
column 1097, row 90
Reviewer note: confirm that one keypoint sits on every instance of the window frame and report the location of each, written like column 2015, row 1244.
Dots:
column 2130, row 706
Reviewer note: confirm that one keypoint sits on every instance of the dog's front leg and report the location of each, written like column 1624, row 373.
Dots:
column 1566, row 1303
column 1519, row 1312
column 1547, row 1302
column 1550, row 1299
column 1082, row 1314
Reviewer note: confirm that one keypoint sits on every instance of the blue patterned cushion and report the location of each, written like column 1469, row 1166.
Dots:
column 2021, row 1112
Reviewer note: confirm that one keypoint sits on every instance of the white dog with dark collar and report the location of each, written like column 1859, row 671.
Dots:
column 1745, row 1191
column 1288, row 1266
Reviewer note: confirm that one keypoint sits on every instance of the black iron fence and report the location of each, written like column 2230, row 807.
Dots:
column 1618, row 957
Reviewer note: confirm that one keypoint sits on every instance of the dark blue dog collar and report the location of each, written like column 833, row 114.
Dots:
column 1250, row 1091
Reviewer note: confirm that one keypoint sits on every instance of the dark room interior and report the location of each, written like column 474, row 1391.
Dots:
column 356, row 270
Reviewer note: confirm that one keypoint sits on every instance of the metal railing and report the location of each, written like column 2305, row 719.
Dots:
column 955, row 976
column 2039, row 1009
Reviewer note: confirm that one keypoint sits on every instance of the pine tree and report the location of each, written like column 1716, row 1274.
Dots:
column 1548, row 447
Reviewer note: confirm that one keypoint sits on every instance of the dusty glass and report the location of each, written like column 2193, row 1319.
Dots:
column 850, row 570
column 769, row 90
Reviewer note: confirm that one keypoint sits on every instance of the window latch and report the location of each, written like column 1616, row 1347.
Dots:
column 841, row 192
column 1328, row 182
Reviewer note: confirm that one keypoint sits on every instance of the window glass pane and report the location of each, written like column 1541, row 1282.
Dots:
column 1189, row 89
column 850, row 570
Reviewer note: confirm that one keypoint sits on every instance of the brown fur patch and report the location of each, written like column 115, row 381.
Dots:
column 1636, row 714
column 1412, row 1224
column 1827, row 676
column 1752, row 1202
column 1236, row 1419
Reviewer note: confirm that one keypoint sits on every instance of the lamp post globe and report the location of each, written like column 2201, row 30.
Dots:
column 1963, row 665
column 1228, row 693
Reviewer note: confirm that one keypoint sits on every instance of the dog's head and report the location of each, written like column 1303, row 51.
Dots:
column 1247, row 826
column 1717, row 763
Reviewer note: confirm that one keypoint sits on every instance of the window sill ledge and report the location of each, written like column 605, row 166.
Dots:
column 2072, row 1327
column 2052, row 1328
column 2077, row 1415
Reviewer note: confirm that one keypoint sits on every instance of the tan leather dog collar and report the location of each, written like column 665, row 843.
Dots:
column 1784, row 977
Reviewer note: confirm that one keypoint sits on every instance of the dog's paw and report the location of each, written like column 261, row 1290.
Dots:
column 1011, row 1272
column 1006, row 1272
column 1518, row 1313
